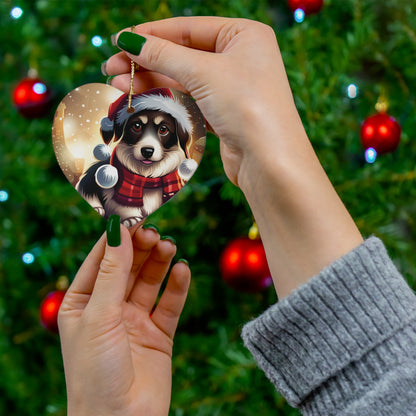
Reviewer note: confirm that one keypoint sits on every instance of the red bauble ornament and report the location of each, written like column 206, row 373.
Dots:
column 32, row 98
column 381, row 132
column 49, row 309
column 308, row 6
column 244, row 266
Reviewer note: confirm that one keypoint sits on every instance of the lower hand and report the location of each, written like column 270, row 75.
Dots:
column 116, row 346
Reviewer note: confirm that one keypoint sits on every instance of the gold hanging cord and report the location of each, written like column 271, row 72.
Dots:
column 133, row 67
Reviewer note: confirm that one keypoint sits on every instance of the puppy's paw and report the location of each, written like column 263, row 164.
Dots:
column 100, row 210
column 187, row 168
column 129, row 222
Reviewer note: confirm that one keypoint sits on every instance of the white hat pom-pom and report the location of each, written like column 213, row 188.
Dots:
column 187, row 168
column 106, row 176
column 102, row 152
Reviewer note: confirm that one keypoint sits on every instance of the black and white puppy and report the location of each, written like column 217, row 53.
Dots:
column 147, row 167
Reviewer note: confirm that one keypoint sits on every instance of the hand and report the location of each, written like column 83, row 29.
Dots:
column 117, row 352
column 234, row 70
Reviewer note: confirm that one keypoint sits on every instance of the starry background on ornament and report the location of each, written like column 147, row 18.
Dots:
column 197, row 142
column 76, row 127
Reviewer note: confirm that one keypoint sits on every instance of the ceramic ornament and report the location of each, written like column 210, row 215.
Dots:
column 128, row 154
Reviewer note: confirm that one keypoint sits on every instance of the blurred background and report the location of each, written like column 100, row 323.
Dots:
column 346, row 60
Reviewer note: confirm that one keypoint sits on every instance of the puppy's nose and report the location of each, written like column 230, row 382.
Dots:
column 147, row 152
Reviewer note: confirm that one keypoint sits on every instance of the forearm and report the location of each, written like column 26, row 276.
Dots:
column 303, row 223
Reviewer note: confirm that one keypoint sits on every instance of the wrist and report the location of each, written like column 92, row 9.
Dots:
column 273, row 139
column 272, row 158
column 302, row 222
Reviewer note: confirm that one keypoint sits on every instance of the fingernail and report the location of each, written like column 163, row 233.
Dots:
column 109, row 80
column 104, row 69
column 113, row 231
column 168, row 238
column 150, row 227
column 184, row 261
column 131, row 42
column 114, row 39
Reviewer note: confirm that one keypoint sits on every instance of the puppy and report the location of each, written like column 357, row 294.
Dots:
column 142, row 171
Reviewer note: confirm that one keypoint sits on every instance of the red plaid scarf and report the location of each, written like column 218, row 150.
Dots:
column 129, row 191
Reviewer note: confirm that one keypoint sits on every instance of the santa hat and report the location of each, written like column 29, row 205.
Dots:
column 160, row 99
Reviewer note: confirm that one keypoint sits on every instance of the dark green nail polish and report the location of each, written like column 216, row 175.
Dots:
column 169, row 238
column 113, row 231
column 104, row 69
column 131, row 42
column 184, row 261
column 150, row 227
column 109, row 80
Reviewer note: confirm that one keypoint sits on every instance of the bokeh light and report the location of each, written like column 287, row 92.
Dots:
column 16, row 13
column 370, row 155
column 299, row 15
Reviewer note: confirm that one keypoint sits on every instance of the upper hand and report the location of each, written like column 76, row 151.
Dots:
column 232, row 67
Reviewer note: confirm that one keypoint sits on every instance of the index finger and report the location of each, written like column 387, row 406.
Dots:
column 197, row 32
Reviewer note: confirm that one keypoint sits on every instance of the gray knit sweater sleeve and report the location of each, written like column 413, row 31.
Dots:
column 345, row 342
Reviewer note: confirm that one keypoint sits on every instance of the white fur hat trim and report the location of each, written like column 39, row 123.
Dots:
column 159, row 103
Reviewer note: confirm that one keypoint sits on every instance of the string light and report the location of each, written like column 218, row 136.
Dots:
column 299, row 15
column 16, row 13
column 97, row 41
column 352, row 91
column 370, row 155
column 4, row 195
column 39, row 88
column 28, row 258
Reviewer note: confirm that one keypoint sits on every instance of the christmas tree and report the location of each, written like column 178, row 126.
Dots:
column 342, row 60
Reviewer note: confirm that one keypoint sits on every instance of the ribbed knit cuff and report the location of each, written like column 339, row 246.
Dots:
column 338, row 333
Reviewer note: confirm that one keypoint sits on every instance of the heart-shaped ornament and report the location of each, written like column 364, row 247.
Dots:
column 127, row 156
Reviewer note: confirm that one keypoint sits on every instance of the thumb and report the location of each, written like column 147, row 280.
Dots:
column 110, row 286
column 180, row 63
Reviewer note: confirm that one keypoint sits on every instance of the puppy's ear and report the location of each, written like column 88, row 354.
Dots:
column 183, row 135
column 106, row 136
column 107, row 130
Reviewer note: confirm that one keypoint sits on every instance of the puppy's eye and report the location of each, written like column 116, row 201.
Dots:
column 137, row 127
column 163, row 130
